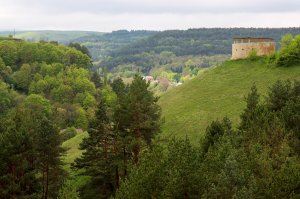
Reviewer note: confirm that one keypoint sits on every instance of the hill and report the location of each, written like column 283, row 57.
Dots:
column 50, row 35
column 103, row 45
column 202, row 41
column 216, row 93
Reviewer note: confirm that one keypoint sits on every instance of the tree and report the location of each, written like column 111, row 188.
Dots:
column 96, row 79
column 81, row 48
column 118, row 87
column 279, row 94
column 100, row 151
column 68, row 191
column 286, row 40
column 252, row 103
column 5, row 97
column 23, row 77
column 5, row 72
column 289, row 55
column 17, row 171
column 144, row 115
column 48, row 153
column 36, row 118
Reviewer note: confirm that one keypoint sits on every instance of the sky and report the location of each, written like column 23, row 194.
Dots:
column 109, row 15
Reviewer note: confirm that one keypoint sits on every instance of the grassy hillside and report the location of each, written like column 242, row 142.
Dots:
column 72, row 153
column 216, row 93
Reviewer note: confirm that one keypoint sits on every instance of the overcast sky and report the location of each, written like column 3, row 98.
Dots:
column 108, row 15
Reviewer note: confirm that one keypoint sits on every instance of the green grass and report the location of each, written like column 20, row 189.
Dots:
column 216, row 93
column 72, row 147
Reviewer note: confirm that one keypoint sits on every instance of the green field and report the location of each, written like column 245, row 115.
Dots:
column 216, row 93
column 72, row 153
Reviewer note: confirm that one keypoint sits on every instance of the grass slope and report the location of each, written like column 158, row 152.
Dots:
column 72, row 153
column 216, row 93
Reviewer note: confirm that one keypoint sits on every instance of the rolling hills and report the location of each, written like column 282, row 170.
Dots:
column 216, row 93
column 50, row 35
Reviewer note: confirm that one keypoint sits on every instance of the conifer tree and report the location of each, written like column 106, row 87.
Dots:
column 101, row 149
column 122, row 122
column 48, row 152
column 144, row 115
column 17, row 171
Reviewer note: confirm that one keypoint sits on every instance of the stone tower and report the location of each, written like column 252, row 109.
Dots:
column 242, row 47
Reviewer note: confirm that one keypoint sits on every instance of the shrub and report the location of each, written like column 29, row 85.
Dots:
column 290, row 53
column 68, row 133
column 253, row 55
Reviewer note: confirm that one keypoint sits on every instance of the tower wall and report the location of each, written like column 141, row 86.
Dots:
column 242, row 50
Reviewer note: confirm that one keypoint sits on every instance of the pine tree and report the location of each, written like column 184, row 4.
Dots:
column 48, row 152
column 35, row 119
column 17, row 172
column 144, row 115
column 252, row 102
column 101, row 151
column 122, row 123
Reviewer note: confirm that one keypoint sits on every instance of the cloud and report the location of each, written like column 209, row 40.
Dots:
column 107, row 15
column 155, row 6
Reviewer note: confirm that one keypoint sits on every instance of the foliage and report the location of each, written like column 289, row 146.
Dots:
column 5, row 97
column 100, row 152
column 68, row 191
column 144, row 114
column 122, row 127
column 68, row 133
column 43, row 87
column 81, row 48
column 258, row 160
column 253, row 55
column 289, row 54
column 17, row 53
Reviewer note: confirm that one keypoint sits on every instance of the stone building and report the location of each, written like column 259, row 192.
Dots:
column 242, row 47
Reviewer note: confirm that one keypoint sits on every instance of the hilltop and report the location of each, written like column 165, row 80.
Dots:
column 50, row 35
column 216, row 93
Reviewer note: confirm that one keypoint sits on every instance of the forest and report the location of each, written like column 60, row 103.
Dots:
column 204, row 41
column 49, row 92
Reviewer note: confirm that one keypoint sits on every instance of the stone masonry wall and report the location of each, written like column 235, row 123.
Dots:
column 242, row 50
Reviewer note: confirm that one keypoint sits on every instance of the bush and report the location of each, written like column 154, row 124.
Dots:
column 253, row 55
column 290, row 53
column 68, row 133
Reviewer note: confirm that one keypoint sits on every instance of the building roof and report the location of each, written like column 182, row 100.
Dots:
column 253, row 38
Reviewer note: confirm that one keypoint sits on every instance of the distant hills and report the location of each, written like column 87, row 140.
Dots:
column 50, row 35
column 124, row 46
column 203, row 41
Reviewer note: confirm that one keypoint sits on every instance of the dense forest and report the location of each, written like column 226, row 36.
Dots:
column 46, row 92
column 49, row 92
column 101, row 46
column 44, row 88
